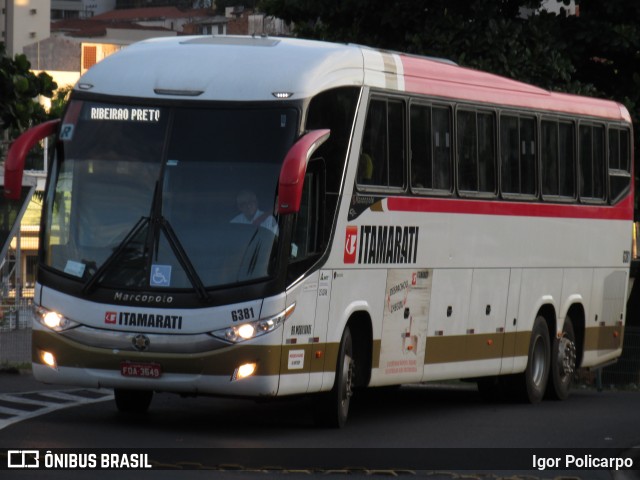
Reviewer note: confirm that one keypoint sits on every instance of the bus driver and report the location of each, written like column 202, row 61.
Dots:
column 250, row 213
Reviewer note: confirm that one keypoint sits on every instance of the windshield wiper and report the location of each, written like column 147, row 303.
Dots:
column 175, row 245
column 159, row 223
column 183, row 258
column 93, row 281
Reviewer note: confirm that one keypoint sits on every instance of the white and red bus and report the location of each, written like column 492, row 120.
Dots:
column 263, row 217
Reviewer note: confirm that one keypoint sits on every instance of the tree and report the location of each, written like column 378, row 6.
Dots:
column 490, row 35
column 596, row 53
column 19, row 87
column 605, row 49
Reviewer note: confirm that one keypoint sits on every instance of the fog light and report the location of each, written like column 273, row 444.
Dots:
column 48, row 359
column 244, row 371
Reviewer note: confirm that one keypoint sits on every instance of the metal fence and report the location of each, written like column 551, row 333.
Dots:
column 15, row 333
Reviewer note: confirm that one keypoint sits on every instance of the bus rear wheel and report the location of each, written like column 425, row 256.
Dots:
column 532, row 383
column 563, row 363
column 133, row 401
column 332, row 408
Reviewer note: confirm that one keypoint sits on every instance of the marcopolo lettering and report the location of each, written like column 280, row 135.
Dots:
column 150, row 320
column 387, row 244
column 142, row 297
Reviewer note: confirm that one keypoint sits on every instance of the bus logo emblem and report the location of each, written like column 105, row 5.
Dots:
column 140, row 342
column 111, row 318
column 350, row 244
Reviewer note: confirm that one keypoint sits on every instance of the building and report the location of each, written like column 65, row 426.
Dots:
column 23, row 22
column 64, row 9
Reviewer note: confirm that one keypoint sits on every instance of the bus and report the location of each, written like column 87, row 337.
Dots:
column 266, row 217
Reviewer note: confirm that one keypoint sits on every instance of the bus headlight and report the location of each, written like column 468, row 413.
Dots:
column 53, row 320
column 249, row 330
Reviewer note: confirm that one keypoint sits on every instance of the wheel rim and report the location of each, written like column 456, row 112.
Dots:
column 566, row 357
column 347, row 384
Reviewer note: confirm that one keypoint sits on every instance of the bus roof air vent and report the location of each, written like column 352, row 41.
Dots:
column 235, row 41
column 180, row 93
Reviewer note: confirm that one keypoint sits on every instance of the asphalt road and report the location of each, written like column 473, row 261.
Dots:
column 405, row 431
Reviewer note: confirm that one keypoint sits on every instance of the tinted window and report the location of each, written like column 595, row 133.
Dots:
column 558, row 159
column 476, row 152
column 592, row 162
column 619, row 163
column 430, row 148
column 518, row 155
column 382, row 153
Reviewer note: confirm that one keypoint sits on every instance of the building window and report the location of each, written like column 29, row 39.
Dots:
column 89, row 56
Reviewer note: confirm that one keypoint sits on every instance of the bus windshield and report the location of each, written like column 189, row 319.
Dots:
column 171, row 198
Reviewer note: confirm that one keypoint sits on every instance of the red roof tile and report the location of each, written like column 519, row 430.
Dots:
column 152, row 13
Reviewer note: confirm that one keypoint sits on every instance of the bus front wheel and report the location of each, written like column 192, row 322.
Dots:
column 133, row 401
column 332, row 409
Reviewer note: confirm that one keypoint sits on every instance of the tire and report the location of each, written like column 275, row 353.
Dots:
column 133, row 401
column 563, row 363
column 332, row 408
column 532, row 383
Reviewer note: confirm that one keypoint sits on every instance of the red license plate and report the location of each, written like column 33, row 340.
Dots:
column 143, row 370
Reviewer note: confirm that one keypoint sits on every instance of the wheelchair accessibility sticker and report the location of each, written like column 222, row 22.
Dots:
column 160, row 276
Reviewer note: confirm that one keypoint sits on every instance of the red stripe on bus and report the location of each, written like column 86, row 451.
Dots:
column 621, row 211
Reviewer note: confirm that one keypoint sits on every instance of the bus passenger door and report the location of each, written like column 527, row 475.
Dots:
column 302, row 365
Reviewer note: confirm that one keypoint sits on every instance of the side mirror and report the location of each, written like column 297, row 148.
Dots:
column 14, row 164
column 294, row 168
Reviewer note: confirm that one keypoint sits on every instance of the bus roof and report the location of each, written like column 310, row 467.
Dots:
column 232, row 68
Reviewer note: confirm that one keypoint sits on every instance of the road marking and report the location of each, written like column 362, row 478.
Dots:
column 16, row 407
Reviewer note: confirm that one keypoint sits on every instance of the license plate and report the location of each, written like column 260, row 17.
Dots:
column 143, row 370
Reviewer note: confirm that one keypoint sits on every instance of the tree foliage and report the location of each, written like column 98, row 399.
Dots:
column 595, row 53
column 605, row 49
column 19, row 87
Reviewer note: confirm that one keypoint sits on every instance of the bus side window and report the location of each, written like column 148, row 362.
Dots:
column 558, row 159
column 476, row 152
column 619, row 163
column 592, row 161
column 441, row 125
column 431, row 148
column 518, row 155
column 381, row 161
column 421, row 149
column 306, row 238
